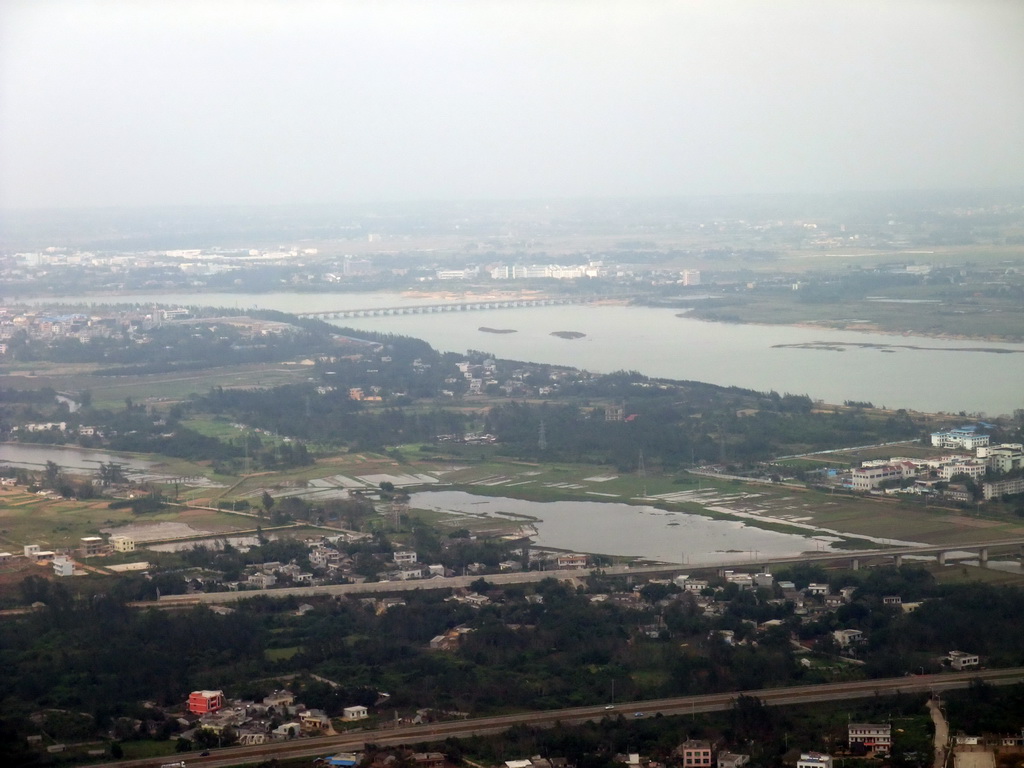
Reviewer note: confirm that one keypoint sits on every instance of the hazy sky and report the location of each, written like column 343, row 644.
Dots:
column 136, row 102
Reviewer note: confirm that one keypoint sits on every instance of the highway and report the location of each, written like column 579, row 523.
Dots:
column 455, row 582
column 687, row 705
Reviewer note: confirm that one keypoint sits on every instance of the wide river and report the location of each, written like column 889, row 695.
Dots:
column 897, row 371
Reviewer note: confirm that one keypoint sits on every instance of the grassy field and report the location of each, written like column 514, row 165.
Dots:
column 155, row 389
column 27, row 518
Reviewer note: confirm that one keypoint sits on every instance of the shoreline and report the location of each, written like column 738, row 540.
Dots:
column 110, row 299
column 865, row 328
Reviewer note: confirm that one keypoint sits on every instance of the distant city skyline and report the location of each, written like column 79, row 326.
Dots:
column 266, row 102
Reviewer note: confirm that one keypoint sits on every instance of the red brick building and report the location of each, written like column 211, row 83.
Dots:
column 203, row 702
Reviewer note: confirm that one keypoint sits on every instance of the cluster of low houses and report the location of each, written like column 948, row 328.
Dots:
column 328, row 563
column 810, row 602
column 64, row 562
column 862, row 738
column 404, row 565
column 277, row 716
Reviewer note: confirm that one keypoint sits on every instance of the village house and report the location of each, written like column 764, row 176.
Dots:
column 814, row 760
column 356, row 712
column 287, row 730
column 314, row 721
column 876, row 737
column 695, row 753
column 959, row 660
column 428, row 760
column 279, row 701
column 261, row 580
column 203, row 702
column 91, row 546
column 122, row 543
column 572, row 561
column 732, row 760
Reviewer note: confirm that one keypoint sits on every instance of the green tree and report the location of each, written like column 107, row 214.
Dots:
column 51, row 475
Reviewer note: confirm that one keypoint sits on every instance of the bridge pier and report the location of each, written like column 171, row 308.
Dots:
column 855, row 564
column 983, row 557
column 941, row 557
column 898, row 560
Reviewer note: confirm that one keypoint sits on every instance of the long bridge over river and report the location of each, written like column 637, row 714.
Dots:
column 447, row 306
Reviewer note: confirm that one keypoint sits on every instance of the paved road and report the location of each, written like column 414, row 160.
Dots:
column 354, row 741
column 941, row 733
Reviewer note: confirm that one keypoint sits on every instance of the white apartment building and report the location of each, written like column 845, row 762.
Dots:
column 973, row 469
column 1004, row 457
column 868, row 478
column 997, row 488
column 965, row 437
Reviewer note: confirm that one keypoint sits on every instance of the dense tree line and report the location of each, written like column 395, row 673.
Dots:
column 559, row 649
column 670, row 432
column 329, row 417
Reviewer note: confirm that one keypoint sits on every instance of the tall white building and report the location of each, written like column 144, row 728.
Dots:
column 690, row 276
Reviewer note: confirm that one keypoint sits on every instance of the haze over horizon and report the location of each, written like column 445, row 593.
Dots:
column 269, row 102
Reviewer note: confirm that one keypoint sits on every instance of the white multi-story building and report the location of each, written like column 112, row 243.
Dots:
column 965, row 437
column 1003, row 458
column 867, row 478
column 997, row 488
column 973, row 469
column 877, row 737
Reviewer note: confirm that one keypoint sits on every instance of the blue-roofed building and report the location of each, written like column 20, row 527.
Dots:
column 342, row 759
